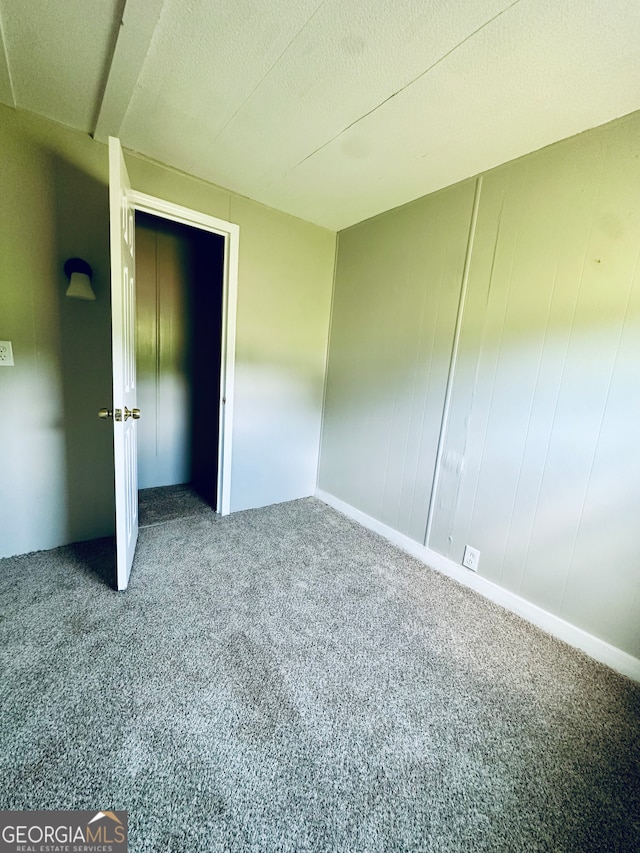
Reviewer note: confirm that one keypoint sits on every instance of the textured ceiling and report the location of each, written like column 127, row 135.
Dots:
column 332, row 110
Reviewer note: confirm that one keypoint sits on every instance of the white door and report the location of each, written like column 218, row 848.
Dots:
column 123, row 322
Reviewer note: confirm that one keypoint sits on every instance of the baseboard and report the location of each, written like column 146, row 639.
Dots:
column 613, row 657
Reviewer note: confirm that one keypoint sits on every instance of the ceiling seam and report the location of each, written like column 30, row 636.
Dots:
column 147, row 51
column 104, row 82
column 258, row 84
column 5, row 50
column 394, row 94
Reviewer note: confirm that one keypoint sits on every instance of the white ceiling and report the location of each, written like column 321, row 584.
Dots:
column 331, row 110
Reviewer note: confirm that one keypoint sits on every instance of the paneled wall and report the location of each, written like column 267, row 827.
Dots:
column 394, row 313
column 546, row 404
column 540, row 464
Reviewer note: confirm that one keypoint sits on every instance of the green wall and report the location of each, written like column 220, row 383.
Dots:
column 539, row 465
column 394, row 311
column 55, row 454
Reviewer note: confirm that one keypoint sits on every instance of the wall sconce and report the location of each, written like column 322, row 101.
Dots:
column 79, row 274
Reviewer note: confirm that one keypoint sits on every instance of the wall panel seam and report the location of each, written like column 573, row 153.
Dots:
column 336, row 246
column 5, row 50
column 453, row 361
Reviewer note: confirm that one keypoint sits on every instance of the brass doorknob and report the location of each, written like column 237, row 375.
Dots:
column 131, row 413
column 105, row 413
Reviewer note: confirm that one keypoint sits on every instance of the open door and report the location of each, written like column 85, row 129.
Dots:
column 123, row 323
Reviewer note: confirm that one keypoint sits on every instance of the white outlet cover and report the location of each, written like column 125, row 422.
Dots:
column 471, row 558
column 6, row 354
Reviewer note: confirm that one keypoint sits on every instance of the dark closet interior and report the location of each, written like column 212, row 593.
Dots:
column 179, row 296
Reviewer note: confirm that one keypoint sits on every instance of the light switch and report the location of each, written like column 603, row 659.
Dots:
column 6, row 354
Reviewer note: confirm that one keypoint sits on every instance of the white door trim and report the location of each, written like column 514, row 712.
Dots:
column 231, row 233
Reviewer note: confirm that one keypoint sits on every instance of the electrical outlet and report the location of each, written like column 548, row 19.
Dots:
column 6, row 354
column 471, row 558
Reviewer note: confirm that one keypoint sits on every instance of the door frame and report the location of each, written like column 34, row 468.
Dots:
column 231, row 234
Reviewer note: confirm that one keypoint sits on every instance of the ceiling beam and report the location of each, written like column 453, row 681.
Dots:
column 138, row 25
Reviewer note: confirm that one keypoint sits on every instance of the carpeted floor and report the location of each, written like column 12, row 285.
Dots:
column 284, row 680
column 167, row 503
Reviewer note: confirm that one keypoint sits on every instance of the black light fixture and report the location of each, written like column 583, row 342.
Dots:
column 79, row 275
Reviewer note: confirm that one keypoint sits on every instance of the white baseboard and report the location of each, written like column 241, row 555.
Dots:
column 604, row 652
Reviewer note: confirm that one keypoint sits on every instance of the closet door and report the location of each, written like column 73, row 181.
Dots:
column 125, row 413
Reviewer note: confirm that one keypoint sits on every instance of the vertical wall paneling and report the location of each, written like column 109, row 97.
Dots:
column 397, row 292
column 452, row 365
column 538, row 465
column 552, row 309
column 602, row 584
column 163, row 380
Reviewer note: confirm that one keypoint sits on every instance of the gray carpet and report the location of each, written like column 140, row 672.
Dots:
column 166, row 503
column 283, row 680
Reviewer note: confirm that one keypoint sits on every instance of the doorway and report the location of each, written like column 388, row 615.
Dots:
column 180, row 274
